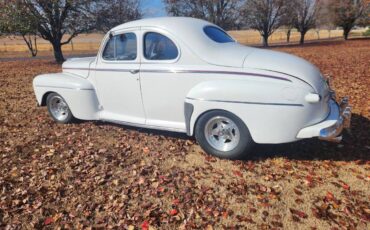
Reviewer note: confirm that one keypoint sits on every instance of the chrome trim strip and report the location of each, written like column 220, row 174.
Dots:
column 187, row 71
column 290, row 76
column 246, row 102
column 57, row 87
column 144, row 126
column 216, row 72
column 100, row 70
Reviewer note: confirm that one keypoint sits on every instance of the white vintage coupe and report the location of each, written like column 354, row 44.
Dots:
column 188, row 75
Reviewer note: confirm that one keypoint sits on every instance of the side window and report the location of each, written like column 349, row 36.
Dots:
column 159, row 47
column 122, row 47
column 109, row 53
column 217, row 35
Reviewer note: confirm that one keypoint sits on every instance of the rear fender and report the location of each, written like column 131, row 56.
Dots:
column 265, row 108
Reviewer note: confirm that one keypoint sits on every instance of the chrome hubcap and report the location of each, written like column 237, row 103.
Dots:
column 222, row 133
column 59, row 108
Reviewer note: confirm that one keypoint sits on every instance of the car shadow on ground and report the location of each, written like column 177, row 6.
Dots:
column 354, row 147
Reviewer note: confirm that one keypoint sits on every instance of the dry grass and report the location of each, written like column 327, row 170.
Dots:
column 83, row 42
column 103, row 176
column 253, row 37
column 91, row 42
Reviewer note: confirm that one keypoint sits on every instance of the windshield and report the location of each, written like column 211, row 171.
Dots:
column 217, row 35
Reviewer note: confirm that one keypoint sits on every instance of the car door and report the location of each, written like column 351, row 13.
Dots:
column 118, row 78
column 163, row 90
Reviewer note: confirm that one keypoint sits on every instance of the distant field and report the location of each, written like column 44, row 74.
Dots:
column 253, row 37
column 15, row 46
column 83, row 42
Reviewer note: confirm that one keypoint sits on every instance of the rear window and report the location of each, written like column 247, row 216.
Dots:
column 217, row 35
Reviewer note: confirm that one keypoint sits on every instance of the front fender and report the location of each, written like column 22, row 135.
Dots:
column 78, row 92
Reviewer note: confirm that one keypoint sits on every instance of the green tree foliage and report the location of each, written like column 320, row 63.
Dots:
column 16, row 20
column 349, row 13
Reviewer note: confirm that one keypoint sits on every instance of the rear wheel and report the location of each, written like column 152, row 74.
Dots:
column 222, row 134
column 58, row 109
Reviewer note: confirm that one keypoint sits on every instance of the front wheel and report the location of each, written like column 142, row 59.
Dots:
column 58, row 109
column 224, row 135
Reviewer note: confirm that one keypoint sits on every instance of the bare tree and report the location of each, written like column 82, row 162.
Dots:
column 288, row 27
column 110, row 13
column 287, row 21
column 224, row 13
column 14, row 20
column 57, row 18
column 348, row 13
column 305, row 13
column 265, row 16
column 325, row 17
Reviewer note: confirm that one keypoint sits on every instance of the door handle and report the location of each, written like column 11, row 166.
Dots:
column 134, row 71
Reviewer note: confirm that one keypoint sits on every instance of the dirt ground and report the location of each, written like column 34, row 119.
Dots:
column 99, row 175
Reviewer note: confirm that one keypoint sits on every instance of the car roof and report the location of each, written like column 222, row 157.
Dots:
column 169, row 23
column 190, row 32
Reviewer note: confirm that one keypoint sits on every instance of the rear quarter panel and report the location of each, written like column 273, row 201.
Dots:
column 274, row 111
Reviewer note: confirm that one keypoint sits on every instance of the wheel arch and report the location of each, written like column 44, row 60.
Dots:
column 191, row 118
column 79, row 93
column 45, row 97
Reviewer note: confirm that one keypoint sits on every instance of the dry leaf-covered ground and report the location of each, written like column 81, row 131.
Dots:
column 102, row 175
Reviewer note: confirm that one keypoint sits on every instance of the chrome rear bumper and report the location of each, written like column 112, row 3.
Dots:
column 333, row 132
column 331, row 128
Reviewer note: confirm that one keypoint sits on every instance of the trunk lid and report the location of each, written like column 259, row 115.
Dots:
column 287, row 64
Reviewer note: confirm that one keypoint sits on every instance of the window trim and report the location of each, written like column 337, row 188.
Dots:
column 163, row 33
column 115, row 33
column 207, row 26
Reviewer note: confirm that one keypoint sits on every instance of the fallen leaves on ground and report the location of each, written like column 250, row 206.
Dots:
column 100, row 175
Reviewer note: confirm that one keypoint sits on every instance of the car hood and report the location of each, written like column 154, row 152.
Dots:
column 284, row 63
column 78, row 66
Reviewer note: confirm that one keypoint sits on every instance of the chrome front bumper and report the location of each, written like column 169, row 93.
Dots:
column 331, row 128
column 333, row 133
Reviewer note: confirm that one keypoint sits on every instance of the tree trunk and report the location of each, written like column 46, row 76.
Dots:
column 346, row 33
column 301, row 41
column 58, row 54
column 28, row 40
column 288, row 36
column 265, row 40
column 35, row 49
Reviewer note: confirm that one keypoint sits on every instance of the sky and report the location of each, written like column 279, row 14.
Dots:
column 153, row 8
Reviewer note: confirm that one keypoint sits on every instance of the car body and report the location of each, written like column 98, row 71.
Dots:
column 166, row 73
